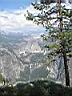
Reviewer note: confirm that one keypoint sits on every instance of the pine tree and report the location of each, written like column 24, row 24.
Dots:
column 58, row 22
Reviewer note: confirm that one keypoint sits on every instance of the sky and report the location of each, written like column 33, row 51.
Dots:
column 12, row 17
column 14, row 4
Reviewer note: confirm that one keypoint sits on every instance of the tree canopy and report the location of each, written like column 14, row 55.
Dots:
column 57, row 20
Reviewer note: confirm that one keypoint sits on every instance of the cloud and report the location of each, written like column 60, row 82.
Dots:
column 14, row 21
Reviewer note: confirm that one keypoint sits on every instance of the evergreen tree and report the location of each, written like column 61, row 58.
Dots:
column 57, row 20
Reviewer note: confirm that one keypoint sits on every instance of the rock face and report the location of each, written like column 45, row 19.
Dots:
column 9, row 65
column 24, row 60
column 16, row 61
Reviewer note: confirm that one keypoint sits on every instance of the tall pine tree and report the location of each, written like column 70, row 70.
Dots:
column 57, row 20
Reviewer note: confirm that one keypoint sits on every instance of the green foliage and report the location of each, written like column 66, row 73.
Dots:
column 58, row 38
column 58, row 22
column 36, row 88
column 7, row 91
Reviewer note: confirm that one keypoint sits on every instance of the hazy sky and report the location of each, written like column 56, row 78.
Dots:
column 14, row 4
column 12, row 17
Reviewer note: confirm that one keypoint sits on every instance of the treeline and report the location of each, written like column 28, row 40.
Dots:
column 36, row 88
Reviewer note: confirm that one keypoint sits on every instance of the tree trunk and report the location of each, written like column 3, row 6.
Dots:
column 67, row 78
